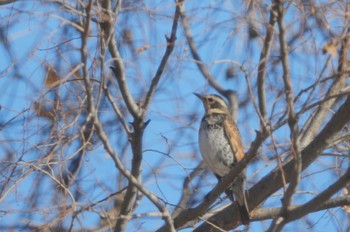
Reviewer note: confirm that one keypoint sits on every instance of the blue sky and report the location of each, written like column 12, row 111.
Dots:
column 35, row 33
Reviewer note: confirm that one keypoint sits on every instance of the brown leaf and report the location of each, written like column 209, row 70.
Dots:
column 143, row 48
column 127, row 36
column 51, row 79
column 331, row 47
column 41, row 111
column 231, row 71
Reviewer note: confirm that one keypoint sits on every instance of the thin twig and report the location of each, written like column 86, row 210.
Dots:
column 105, row 39
column 269, row 213
column 118, row 69
column 292, row 122
column 139, row 125
column 192, row 214
column 135, row 182
column 86, row 79
column 169, row 49
column 186, row 190
column 320, row 199
column 201, row 66
column 262, row 65
column 273, row 181
column 323, row 110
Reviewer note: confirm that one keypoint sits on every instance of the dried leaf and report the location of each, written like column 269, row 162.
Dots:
column 51, row 79
column 144, row 48
column 127, row 36
column 253, row 30
column 330, row 47
column 231, row 72
column 41, row 111
column 109, row 217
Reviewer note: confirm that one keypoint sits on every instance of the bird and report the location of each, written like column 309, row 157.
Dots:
column 221, row 147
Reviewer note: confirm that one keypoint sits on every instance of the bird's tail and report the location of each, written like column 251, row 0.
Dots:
column 237, row 189
column 244, row 213
column 241, row 204
column 239, row 192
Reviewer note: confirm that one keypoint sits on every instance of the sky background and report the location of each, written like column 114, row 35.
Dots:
column 37, row 33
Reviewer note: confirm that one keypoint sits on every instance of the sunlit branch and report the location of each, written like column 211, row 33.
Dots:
column 292, row 119
column 343, row 71
column 273, row 181
column 135, row 182
column 264, row 55
column 118, row 68
column 169, row 49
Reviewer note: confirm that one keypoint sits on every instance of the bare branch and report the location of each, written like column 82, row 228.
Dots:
column 273, row 181
column 269, row 213
column 292, row 119
column 322, row 111
column 196, row 57
column 136, row 137
column 118, row 69
column 262, row 64
column 4, row 2
column 139, row 126
column 168, row 51
column 117, row 111
column 320, row 200
column 186, row 190
column 310, row 206
column 135, row 182
column 190, row 216
column 85, row 34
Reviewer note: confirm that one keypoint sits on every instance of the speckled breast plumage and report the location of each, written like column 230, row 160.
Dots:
column 214, row 145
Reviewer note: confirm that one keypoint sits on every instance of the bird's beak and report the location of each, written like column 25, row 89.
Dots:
column 199, row 96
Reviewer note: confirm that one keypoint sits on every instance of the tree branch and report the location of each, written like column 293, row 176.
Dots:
column 135, row 182
column 168, row 51
column 191, row 216
column 139, row 126
column 108, row 25
column 320, row 199
column 85, row 34
column 229, row 94
column 4, row 2
column 273, row 181
column 186, row 191
column 292, row 119
column 262, row 64
column 322, row 111
column 269, row 213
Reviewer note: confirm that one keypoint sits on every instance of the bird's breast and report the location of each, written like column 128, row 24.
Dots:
column 215, row 147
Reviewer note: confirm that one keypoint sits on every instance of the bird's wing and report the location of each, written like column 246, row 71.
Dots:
column 234, row 137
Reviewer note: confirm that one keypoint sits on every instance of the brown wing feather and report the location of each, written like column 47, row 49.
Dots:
column 233, row 135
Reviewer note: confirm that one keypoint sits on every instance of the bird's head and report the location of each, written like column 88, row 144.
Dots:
column 213, row 103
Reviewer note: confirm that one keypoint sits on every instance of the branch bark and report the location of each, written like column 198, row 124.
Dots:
column 323, row 110
column 168, row 51
column 227, row 93
column 4, row 2
column 269, row 213
column 108, row 26
column 136, row 111
column 191, row 216
column 134, row 181
column 262, row 64
column 292, row 119
column 229, row 217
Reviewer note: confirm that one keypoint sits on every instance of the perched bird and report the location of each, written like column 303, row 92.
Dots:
column 221, row 147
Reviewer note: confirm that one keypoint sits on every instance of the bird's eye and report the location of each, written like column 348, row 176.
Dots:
column 210, row 100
